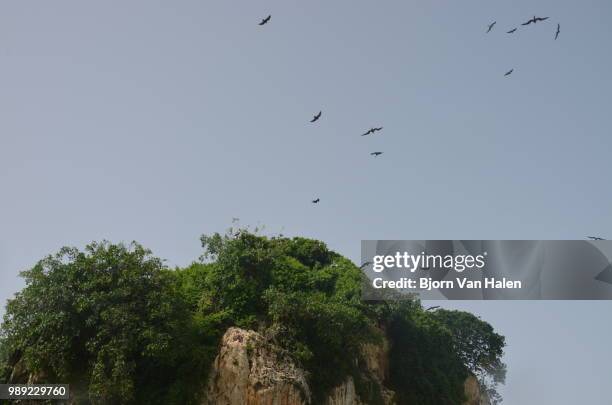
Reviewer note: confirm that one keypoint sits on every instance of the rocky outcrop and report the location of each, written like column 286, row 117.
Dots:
column 376, row 358
column 344, row 394
column 473, row 392
column 248, row 370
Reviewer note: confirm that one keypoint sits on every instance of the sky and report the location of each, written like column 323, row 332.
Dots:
column 159, row 121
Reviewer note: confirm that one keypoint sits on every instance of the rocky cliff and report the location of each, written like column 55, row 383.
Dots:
column 473, row 394
column 249, row 370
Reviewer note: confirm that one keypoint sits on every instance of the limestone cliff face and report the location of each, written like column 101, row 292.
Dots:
column 473, row 394
column 376, row 358
column 472, row 391
column 344, row 394
column 250, row 371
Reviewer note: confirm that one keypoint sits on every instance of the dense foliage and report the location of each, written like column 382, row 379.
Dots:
column 479, row 348
column 304, row 296
column 122, row 328
column 108, row 319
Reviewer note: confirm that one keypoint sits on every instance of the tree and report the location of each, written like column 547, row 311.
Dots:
column 106, row 320
column 424, row 367
column 478, row 346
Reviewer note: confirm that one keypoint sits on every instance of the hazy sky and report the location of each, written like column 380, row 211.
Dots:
column 158, row 121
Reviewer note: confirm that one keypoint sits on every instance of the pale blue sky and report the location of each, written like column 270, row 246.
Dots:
column 158, row 121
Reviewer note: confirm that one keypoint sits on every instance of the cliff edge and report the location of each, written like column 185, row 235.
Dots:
column 249, row 370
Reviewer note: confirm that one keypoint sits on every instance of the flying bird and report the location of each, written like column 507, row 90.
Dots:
column 433, row 308
column 558, row 31
column 316, row 117
column 372, row 130
column 364, row 265
column 491, row 26
column 509, row 72
column 316, row 201
column 595, row 238
column 512, row 31
column 265, row 20
column 535, row 20
column 376, row 154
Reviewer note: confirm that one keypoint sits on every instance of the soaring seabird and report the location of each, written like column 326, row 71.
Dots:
column 535, row 20
column 372, row 130
column 316, row 117
column 265, row 20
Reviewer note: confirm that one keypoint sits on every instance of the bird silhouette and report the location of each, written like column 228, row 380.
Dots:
column 595, row 238
column 265, row 20
column 509, row 72
column 490, row 26
column 316, row 201
column 512, row 31
column 535, row 20
column 376, row 153
column 558, row 31
column 316, row 117
column 364, row 265
column 372, row 130
column 433, row 308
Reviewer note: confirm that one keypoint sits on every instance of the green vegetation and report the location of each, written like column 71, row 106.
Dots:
column 479, row 348
column 122, row 328
column 109, row 319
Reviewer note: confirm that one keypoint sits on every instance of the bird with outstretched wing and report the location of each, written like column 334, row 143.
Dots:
column 534, row 20
column 265, row 20
column 372, row 130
